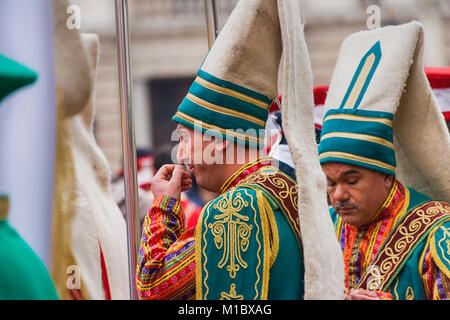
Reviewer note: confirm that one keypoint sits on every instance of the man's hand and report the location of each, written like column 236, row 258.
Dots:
column 170, row 180
column 361, row 294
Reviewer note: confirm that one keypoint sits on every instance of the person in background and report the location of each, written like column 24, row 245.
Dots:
column 23, row 276
column 145, row 172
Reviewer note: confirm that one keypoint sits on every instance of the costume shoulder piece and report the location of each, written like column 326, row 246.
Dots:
column 413, row 228
column 440, row 244
column 281, row 189
column 234, row 249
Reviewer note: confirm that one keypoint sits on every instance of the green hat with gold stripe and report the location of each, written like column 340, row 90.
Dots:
column 233, row 90
column 355, row 136
column 358, row 137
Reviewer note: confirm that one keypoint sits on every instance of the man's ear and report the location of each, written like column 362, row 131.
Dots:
column 220, row 144
column 388, row 181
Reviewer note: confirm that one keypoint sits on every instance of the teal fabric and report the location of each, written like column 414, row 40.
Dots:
column 226, row 101
column 287, row 272
column 23, row 276
column 416, row 198
column 408, row 276
column 13, row 76
column 219, row 119
column 441, row 239
column 376, row 50
column 219, row 135
column 231, row 85
column 407, row 284
column 217, row 246
column 358, row 147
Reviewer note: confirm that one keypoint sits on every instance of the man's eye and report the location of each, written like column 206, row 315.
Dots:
column 352, row 181
column 330, row 184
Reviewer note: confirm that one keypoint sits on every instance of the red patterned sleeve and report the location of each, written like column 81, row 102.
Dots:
column 435, row 282
column 384, row 295
column 166, row 262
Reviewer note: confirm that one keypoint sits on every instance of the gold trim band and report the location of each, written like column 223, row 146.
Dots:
column 232, row 93
column 226, row 111
column 358, row 136
column 343, row 116
column 350, row 156
column 211, row 127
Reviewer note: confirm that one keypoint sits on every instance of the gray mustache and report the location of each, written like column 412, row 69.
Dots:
column 345, row 204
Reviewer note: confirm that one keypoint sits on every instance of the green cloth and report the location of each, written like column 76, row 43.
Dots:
column 287, row 273
column 408, row 284
column 13, row 76
column 23, row 276
column 233, row 239
column 358, row 137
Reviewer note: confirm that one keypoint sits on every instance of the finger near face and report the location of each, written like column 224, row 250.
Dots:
column 186, row 174
column 186, row 187
column 165, row 171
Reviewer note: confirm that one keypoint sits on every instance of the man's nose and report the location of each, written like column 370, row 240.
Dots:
column 181, row 155
column 341, row 193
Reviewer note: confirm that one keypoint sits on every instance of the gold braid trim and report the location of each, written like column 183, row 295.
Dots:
column 444, row 247
column 198, row 256
column 392, row 256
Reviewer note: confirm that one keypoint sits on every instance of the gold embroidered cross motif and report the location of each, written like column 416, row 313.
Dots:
column 231, row 232
column 374, row 281
column 231, row 295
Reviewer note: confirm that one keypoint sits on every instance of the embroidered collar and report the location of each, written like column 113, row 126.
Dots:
column 244, row 171
column 396, row 194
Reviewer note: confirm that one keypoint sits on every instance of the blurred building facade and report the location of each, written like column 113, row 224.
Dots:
column 169, row 42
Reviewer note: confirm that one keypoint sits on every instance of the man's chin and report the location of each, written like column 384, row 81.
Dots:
column 348, row 216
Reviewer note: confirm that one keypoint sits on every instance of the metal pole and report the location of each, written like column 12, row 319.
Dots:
column 128, row 140
column 211, row 21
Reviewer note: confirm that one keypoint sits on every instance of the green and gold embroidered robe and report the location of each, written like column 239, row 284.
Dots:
column 404, row 251
column 248, row 241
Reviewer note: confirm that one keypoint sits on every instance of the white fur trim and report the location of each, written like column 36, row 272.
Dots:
column 324, row 266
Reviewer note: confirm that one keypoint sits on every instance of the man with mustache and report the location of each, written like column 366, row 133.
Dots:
column 395, row 240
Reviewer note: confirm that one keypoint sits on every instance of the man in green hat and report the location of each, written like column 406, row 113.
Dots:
column 23, row 276
column 395, row 239
column 247, row 242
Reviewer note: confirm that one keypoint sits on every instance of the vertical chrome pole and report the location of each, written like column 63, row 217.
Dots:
column 211, row 21
column 128, row 140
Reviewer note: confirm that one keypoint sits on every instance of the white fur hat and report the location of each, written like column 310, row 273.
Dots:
column 238, row 79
